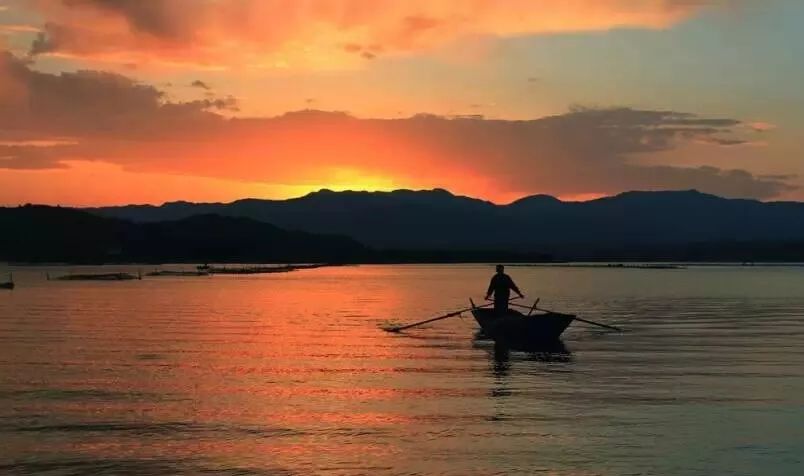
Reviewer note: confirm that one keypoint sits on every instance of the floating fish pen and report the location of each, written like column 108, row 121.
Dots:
column 170, row 273
column 265, row 269
column 97, row 277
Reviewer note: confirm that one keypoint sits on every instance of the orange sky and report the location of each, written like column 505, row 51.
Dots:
column 120, row 101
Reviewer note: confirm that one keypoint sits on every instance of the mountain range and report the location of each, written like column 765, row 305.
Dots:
column 54, row 234
column 411, row 226
column 437, row 219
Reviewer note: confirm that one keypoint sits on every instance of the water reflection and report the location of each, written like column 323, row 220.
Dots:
column 290, row 372
column 500, row 353
column 539, row 352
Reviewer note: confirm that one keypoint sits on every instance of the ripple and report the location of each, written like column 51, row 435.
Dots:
column 281, row 376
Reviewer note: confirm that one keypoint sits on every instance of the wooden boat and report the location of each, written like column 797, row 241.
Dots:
column 517, row 328
column 8, row 284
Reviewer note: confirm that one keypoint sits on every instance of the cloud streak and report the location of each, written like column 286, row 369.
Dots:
column 311, row 33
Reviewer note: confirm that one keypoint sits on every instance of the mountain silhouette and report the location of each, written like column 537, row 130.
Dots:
column 55, row 234
column 437, row 219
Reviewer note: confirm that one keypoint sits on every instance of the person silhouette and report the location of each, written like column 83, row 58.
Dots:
column 501, row 285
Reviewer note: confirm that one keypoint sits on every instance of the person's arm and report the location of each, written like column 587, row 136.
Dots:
column 512, row 285
column 491, row 287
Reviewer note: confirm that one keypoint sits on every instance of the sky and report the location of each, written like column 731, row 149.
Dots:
column 107, row 102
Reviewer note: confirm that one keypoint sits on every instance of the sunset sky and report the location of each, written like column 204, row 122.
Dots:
column 146, row 101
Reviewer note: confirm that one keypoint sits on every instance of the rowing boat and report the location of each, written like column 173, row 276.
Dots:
column 516, row 327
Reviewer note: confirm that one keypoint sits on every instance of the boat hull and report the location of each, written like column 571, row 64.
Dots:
column 516, row 328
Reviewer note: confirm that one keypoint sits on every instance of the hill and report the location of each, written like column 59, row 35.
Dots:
column 437, row 219
column 54, row 234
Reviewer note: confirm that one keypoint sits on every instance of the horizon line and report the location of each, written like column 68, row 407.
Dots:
column 398, row 190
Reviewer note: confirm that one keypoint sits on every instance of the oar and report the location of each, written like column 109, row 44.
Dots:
column 408, row 326
column 606, row 326
column 451, row 314
column 533, row 308
column 576, row 318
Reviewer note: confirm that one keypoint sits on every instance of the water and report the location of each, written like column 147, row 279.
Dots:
column 289, row 374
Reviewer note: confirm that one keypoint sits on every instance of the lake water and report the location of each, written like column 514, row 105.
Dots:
column 290, row 374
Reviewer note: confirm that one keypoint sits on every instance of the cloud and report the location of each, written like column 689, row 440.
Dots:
column 724, row 142
column 260, row 32
column 760, row 126
column 19, row 28
column 200, row 84
column 48, row 119
column 92, row 101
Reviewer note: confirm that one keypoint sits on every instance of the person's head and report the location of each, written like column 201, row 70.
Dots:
column 500, row 268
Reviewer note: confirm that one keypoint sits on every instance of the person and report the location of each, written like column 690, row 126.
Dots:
column 501, row 285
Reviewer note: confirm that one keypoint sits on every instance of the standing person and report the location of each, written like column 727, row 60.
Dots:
column 501, row 285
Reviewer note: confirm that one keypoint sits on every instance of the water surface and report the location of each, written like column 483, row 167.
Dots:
column 289, row 374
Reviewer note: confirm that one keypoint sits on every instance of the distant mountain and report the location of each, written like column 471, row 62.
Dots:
column 437, row 219
column 49, row 234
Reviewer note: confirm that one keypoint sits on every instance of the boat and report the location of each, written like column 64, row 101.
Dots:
column 8, row 284
column 516, row 328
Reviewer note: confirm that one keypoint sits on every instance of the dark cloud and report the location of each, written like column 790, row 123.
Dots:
column 365, row 52
column 25, row 157
column 112, row 118
column 228, row 103
column 160, row 18
column 416, row 23
column 200, row 84
column 352, row 48
column 92, row 102
column 90, row 105
column 726, row 142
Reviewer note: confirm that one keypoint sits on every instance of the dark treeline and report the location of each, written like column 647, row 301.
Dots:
column 39, row 234
column 51, row 234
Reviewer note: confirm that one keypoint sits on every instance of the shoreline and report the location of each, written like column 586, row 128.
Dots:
column 255, row 268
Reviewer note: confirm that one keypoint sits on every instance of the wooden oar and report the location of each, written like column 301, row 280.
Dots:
column 533, row 308
column 606, row 326
column 576, row 318
column 451, row 314
column 408, row 326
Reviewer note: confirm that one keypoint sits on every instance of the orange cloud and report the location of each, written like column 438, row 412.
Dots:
column 761, row 126
column 109, row 118
column 319, row 34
